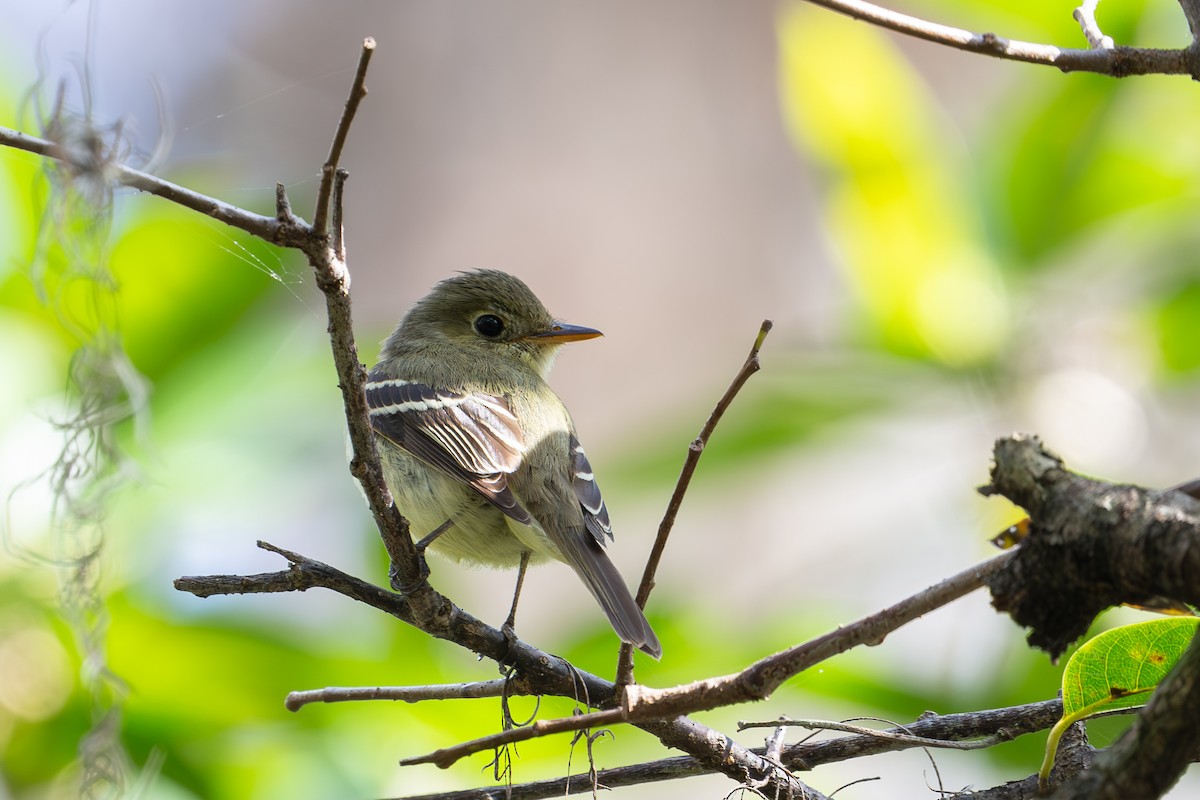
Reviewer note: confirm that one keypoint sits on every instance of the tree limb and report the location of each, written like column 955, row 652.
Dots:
column 1091, row 545
column 1117, row 62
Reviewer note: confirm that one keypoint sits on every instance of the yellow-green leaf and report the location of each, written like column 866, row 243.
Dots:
column 1118, row 669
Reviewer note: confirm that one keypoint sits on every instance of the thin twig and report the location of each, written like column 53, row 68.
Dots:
column 1013, row 721
column 269, row 229
column 339, row 231
column 1085, row 15
column 358, row 90
column 409, row 694
column 540, row 672
column 447, row 756
column 890, row 736
column 761, row 679
column 1117, row 62
column 695, row 450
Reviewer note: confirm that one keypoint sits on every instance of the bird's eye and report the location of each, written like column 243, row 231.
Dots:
column 489, row 325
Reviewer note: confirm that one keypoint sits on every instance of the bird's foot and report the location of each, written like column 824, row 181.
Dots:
column 405, row 588
column 420, row 546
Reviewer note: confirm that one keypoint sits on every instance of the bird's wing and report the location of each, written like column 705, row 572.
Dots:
column 472, row 437
column 583, row 481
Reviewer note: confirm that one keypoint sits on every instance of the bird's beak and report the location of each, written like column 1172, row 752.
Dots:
column 561, row 332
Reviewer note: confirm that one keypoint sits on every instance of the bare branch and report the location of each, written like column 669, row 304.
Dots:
column 358, row 90
column 1090, row 545
column 695, row 450
column 409, row 694
column 762, row 678
column 1009, row 722
column 1191, row 10
column 269, row 229
column 903, row 737
column 539, row 672
column 1085, row 15
column 446, row 756
column 1117, row 62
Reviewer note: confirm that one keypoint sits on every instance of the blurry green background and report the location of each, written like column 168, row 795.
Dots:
column 951, row 248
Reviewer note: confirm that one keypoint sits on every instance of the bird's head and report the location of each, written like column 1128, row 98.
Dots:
column 489, row 314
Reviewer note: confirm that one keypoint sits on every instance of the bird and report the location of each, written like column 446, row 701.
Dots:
column 480, row 453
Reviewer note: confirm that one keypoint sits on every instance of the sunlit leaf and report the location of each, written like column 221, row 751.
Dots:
column 1118, row 669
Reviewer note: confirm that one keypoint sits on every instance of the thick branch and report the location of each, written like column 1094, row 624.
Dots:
column 1091, row 545
column 1117, row 62
column 1191, row 10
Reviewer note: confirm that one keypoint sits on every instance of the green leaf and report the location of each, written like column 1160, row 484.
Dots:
column 1118, row 669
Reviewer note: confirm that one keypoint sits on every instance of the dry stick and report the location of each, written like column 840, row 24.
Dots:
column 641, row 704
column 1010, row 722
column 1117, row 62
column 645, row 710
column 292, row 233
column 540, row 672
column 358, row 90
column 762, row 678
column 447, row 756
column 890, row 736
column 1085, row 15
column 695, row 450
column 409, row 694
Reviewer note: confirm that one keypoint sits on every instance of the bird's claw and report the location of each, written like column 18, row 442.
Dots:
column 407, row 588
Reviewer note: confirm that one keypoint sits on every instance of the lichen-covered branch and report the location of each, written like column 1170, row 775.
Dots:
column 1091, row 545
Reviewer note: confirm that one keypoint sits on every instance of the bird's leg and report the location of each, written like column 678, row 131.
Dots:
column 510, row 624
column 421, row 545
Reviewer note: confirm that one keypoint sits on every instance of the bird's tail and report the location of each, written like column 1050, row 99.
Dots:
column 587, row 557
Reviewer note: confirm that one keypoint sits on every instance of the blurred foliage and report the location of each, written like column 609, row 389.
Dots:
column 946, row 239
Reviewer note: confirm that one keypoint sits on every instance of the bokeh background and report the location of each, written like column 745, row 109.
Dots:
column 951, row 248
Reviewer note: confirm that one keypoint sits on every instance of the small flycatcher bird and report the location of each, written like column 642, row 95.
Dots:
column 474, row 441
